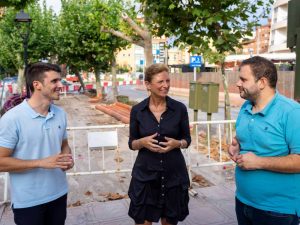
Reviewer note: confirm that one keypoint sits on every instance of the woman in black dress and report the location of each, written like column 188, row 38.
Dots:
column 159, row 128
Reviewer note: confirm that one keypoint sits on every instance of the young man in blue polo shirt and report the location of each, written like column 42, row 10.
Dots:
column 266, row 149
column 35, row 151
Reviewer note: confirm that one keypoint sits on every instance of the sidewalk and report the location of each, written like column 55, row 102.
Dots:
column 212, row 206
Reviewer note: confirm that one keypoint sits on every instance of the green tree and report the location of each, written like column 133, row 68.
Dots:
column 207, row 26
column 18, row 4
column 81, row 44
column 121, row 20
column 40, row 43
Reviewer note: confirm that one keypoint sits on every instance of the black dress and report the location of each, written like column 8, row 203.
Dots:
column 160, row 182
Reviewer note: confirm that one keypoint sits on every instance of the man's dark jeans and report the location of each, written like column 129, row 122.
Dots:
column 51, row 213
column 247, row 215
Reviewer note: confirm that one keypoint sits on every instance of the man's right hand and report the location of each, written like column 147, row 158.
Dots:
column 234, row 149
column 63, row 161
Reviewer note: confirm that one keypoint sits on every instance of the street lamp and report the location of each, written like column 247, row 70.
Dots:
column 23, row 18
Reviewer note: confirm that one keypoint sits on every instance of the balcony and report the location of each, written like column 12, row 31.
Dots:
column 280, row 3
column 281, row 47
column 282, row 23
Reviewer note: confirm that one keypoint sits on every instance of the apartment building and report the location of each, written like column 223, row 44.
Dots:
column 259, row 42
column 278, row 36
column 133, row 57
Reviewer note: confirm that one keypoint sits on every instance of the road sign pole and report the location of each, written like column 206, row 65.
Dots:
column 195, row 73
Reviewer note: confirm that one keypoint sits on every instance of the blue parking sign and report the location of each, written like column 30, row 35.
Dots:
column 195, row 61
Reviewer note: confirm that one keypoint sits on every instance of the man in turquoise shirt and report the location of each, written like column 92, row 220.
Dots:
column 266, row 149
column 34, row 150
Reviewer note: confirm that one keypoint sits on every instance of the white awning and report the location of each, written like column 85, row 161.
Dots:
column 270, row 56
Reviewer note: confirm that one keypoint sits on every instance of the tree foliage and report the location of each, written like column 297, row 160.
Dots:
column 121, row 19
column 80, row 41
column 218, row 24
column 212, row 28
column 41, row 37
column 81, row 44
column 18, row 4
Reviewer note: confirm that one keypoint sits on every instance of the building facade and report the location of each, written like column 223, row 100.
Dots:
column 259, row 42
column 278, row 39
column 133, row 57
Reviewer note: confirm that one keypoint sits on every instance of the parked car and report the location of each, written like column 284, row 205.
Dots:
column 65, row 82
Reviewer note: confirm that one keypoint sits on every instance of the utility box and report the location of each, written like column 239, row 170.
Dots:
column 195, row 95
column 204, row 96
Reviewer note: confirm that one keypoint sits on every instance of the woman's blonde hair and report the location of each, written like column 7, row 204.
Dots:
column 155, row 69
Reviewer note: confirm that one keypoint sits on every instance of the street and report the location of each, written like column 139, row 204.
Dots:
column 138, row 95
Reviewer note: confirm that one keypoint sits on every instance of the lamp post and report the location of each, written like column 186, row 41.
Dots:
column 23, row 18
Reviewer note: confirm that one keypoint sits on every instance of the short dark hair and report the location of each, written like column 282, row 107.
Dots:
column 155, row 69
column 261, row 67
column 36, row 72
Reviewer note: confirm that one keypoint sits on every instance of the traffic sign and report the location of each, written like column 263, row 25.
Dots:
column 195, row 61
column 141, row 62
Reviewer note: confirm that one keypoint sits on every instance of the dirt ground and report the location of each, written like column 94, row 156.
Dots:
column 89, row 188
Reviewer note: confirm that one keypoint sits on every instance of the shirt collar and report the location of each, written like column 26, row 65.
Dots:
column 266, row 109
column 34, row 114
column 270, row 104
column 145, row 104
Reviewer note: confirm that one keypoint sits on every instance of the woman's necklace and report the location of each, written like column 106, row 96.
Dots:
column 158, row 110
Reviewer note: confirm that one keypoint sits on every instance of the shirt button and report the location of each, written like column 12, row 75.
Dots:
column 162, row 178
column 162, row 194
column 158, row 125
column 252, row 120
column 162, row 186
column 161, row 118
column 161, row 161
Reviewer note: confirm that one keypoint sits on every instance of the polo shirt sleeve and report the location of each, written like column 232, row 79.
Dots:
column 8, row 132
column 293, row 131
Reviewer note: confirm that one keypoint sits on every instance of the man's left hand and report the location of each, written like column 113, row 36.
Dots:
column 248, row 161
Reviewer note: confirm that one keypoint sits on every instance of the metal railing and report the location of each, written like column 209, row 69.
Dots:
column 83, row 156
column 220, row 139
column 206, row 150
column 4, row 181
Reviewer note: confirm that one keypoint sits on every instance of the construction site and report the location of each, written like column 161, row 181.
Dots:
column 99, row 181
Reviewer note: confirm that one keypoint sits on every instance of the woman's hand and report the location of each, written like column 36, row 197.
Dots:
column 150, row 143
column 168, row 145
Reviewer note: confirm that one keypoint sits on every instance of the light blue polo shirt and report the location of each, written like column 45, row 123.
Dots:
column 34, row 136
column 275, row 131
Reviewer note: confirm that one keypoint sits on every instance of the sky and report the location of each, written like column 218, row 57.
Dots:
column 54, row 4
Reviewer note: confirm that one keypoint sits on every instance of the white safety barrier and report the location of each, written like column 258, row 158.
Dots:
column 215, row 136
column 4, row 182
column 104, row 149
column 97, row 156
column 75, row 86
